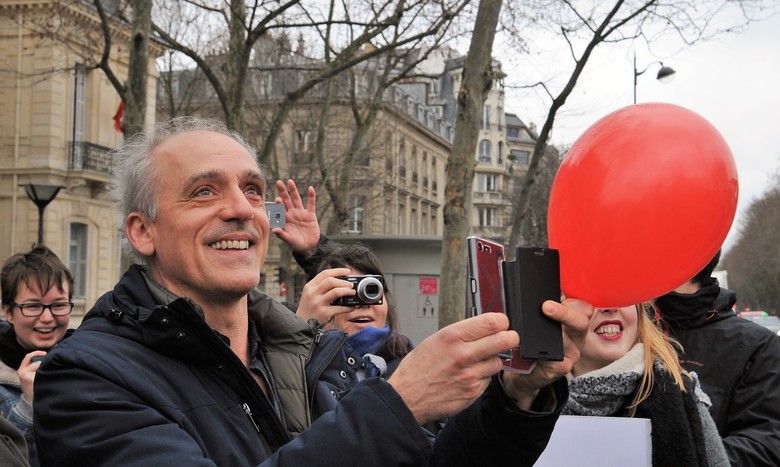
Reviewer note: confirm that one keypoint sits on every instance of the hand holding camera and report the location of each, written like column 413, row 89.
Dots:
column 335, row 291
column 368, row 291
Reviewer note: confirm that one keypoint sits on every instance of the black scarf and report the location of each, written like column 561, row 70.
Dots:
column 678, row 436
column 11, row 352
column 688, row 311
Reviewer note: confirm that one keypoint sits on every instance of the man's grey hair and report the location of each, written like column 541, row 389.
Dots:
column 135, row 184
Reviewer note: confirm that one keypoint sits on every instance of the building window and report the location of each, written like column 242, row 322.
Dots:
column 425, row 170
column 500, row 155
column 487, row 217
column 434, row 176
column 388, row 152
column 356, row 213
column 519, row 156
column 77, row 258
column 486, row 182
column 302, row 141
column 79, row 89
column 484, row 151
column 402, row 159
column 414, row 164
column 484, row 121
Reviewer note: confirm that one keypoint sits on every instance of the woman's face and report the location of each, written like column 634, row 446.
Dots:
column 362, row 316
column 611, row 334
column 45, row 330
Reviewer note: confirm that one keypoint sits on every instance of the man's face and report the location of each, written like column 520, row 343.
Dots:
column 210, row 238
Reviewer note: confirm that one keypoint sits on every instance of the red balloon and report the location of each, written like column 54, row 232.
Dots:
column 641, row 203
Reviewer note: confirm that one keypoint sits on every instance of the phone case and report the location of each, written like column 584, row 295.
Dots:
column 531, row 279
column 276, row 214
column 485, row 282
column 487, row 291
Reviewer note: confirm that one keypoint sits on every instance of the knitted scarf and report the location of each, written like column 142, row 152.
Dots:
column 366, row 343
column 606, row 391
column 677, row 432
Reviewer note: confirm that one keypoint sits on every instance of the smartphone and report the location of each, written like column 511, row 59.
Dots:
column 276, row 214
column 484, row 265
column 487, row 292
column 529, row 281
column 37, row 359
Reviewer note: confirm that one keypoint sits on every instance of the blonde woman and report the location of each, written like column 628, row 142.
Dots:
column 628, row 368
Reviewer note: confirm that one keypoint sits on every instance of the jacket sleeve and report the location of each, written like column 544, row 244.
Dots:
column 85, row 415
column 309, row 264
column 371, row 425
column 753, row 414
column 493, row 431
column 15, row 409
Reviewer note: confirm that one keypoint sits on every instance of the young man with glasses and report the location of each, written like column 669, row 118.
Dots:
column 36, row 295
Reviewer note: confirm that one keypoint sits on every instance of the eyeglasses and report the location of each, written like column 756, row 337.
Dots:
column 32, row 310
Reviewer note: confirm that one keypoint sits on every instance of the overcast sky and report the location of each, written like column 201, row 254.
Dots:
column 732, row 81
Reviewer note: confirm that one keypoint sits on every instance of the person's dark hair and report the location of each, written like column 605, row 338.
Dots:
column 704, row 277
column 39, row 269
column 359, row 256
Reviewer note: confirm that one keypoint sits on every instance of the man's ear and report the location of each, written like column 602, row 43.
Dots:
column 138, row 229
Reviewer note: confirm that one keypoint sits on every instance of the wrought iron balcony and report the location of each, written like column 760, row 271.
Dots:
column 88, row 156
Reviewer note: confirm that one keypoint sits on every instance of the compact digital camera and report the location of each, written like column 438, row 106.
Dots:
column 369, row 291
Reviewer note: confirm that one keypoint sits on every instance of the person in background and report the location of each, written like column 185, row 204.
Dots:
column 186, row 362
column 737, row 363
column 628, row 368
column 372, row 328
column 36, row 296
column 369, row 342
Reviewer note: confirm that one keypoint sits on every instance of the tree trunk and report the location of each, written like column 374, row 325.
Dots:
column 477, row 80
column 135, row 97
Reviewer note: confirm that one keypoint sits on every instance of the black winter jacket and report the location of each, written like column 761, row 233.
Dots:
column 144, row 384
column 738, row 363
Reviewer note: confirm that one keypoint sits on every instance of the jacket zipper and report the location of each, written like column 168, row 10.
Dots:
column 239, row 370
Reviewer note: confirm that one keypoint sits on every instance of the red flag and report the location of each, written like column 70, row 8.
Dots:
column 120, row 112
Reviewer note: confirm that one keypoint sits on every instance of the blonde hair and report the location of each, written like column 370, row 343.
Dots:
column 658, row 346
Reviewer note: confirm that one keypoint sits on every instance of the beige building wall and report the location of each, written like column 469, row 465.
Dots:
column 45, row 89
column 399, row 183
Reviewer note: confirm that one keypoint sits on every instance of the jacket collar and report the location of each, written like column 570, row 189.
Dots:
column 178, row 324
column 686, row 311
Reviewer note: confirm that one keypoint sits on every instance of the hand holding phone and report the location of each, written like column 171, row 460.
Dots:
column 487, row 292
column 529, row 281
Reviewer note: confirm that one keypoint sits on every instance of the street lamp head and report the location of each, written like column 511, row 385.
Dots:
column 41, row 193
column 665, row 74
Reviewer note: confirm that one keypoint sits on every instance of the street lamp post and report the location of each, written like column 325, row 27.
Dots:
column 41, row 194
column 665, row 74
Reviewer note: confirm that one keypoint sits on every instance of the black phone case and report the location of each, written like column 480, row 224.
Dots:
column 531, row 279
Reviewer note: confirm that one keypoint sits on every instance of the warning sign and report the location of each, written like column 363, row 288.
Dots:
column 429, row 285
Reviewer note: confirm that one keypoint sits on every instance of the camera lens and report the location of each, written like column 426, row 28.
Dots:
column 369, row 290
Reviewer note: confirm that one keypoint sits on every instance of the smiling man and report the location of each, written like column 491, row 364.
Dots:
column 186, row 362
